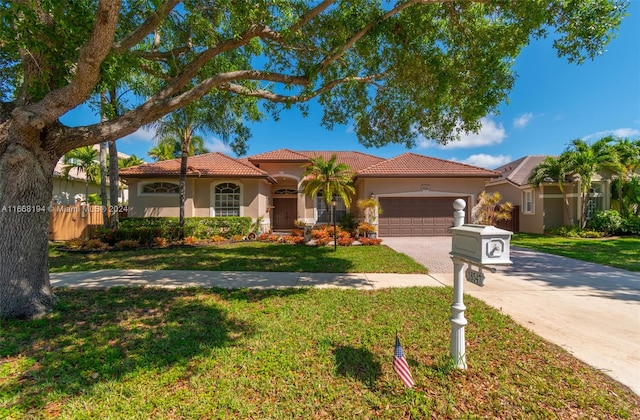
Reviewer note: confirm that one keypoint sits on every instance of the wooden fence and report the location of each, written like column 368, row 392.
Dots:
column 512, row 224
column 79, row 221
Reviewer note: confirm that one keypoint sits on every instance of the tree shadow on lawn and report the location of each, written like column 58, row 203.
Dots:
column 357, row 363
column 104, row 335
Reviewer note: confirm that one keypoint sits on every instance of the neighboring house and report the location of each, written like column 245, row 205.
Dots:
column 415, row 192
column 543, row 207
column 69, row 190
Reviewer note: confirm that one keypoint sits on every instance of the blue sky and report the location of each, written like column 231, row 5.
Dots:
column 552, row 103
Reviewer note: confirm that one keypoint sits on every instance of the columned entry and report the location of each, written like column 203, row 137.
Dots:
column 285, row 212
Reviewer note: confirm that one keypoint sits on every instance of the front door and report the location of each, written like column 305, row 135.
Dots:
column 284, row 212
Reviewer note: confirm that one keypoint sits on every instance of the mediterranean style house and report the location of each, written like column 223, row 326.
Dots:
column 544, row 207
column 416, row 192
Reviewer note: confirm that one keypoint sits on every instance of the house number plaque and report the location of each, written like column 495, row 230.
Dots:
column 475, row 277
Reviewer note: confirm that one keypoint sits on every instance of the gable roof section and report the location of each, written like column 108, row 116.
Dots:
column 208, row 165
column 518, row 171
column 415, row 165
column 356, row 160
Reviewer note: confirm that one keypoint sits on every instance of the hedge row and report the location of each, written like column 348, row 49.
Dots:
column 145, row 229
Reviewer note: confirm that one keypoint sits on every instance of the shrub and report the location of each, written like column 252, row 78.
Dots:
column 190, row 240
column 296, row 232
column 320, row 233
column 160, row 242
column 631, row 225
column 237, row 238
column 75, row 243
column 348, row 222
column 370, row 241
column 263, row 237
column 199, row 227
column 291, row 239
column 608, row 222
column 94, row 244
column 365, row 228
column 574, row 232
column 345, row 241
column 127, row 244
column 218, row 238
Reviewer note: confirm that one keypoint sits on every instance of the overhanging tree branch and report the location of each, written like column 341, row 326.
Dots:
column 146, row 27
column 87, row 73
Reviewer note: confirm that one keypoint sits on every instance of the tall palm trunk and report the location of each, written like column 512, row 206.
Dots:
column 103, row 184
column 183, row 179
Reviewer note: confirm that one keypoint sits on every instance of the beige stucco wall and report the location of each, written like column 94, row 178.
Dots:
column 420, row 187
column 65, row 190
column 530, row 223
column 198, row 198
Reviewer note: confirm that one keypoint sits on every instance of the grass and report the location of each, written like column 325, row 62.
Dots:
column 241, row 256
column 299, row 353
column 622, row 252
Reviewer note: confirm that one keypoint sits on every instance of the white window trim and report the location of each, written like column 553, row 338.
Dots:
column 524, row 202
column 142, row 184
column 212, row 196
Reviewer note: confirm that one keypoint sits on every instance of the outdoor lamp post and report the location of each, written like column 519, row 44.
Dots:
column 334, row 202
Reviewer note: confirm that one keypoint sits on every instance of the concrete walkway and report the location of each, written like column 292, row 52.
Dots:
column 590, row 310
column 102, row 279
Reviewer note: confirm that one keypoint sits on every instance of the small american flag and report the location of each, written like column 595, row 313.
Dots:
column 400, row 365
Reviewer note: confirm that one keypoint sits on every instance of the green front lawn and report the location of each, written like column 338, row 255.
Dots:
column 241, row 256
column 297, row 353
column 622, row 252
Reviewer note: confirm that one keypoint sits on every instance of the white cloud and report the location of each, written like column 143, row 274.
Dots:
column 618, row 132
column 350, row 129
column 523, row 120
column 487, row 161
column 217, row 145
column 491, row 133
column 142, row 134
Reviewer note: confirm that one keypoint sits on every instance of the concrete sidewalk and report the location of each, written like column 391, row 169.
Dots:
column 102, row 279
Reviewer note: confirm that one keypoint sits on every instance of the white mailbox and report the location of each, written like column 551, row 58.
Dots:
column 481, row 244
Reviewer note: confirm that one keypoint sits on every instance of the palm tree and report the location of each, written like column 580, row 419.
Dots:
column 163, row 150
column 330, row 177
column 552, row 169
column 178, row 131
column 628, row 154
column 132, row 160
column 83, row 160
column 586, row 160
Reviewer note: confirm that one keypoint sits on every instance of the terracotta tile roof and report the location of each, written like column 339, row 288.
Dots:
column 208, row 165
column 356, row 160
column 280, row 155
column 414, row 165
column 518, row 171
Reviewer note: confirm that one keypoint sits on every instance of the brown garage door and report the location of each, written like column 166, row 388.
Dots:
column 415, row 216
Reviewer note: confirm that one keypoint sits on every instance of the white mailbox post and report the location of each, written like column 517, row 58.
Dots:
column 478, row 246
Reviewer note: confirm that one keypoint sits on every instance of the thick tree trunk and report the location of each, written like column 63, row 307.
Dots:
column 26, row 188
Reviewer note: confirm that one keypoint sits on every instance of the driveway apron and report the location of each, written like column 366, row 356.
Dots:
column 590, row 310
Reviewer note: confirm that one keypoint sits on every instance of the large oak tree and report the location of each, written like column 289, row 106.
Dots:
column 397, row 70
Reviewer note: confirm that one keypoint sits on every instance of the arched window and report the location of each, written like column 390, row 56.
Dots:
column 162, row 187
column 227, row 199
